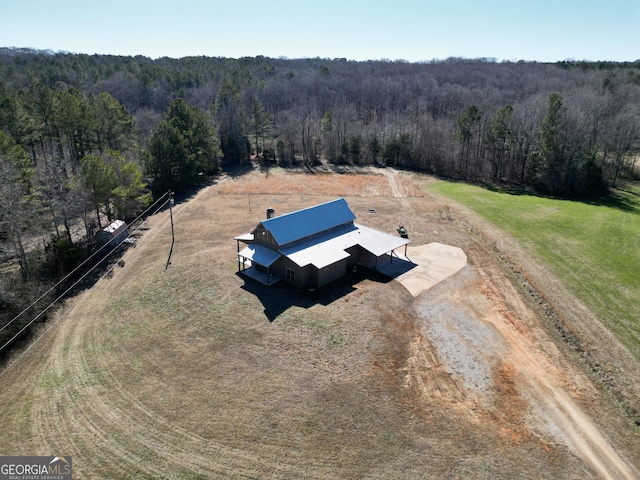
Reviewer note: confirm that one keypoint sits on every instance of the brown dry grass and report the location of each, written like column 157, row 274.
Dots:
column 279, row 182
column 180, row 373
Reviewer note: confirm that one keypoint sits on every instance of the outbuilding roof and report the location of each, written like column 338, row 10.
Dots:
column 114, row 227
column 305, row 223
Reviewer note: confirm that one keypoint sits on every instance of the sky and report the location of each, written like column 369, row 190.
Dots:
column 410, row 30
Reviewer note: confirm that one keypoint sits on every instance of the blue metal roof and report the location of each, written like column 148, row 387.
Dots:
column 295, row 226
column 259, row 254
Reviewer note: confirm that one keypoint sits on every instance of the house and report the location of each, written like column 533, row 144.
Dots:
column 114, row 234
column 312, row 247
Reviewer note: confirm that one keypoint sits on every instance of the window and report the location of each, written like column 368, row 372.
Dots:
column 291, row 275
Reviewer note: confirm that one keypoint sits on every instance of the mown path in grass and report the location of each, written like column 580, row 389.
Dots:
column 593, row 247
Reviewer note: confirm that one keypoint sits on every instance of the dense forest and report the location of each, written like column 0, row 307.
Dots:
column 85, row 139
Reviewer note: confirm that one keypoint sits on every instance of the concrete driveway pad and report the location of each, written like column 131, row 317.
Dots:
column 434, row 263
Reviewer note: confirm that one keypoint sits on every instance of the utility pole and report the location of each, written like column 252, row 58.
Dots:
column 173, row 237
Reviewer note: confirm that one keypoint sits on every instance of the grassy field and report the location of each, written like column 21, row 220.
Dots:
column 192, row 371
column 593, row 247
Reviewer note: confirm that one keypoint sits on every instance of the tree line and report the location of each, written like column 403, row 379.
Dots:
column 565, row 129
column 85, row 139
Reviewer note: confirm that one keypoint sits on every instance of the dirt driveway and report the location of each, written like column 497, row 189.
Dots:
column 505, row 367
column 482, row 343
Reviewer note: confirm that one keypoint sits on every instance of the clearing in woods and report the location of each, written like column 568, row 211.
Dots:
column 195, row 372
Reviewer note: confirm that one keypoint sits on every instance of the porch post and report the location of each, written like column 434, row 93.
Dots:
column 238, row 244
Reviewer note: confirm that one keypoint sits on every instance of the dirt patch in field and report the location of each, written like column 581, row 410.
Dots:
column 195, row 372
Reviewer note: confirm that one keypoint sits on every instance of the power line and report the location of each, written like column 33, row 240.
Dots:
column 70, row 274
column 53, row 303
column 78, row 281
column 32, row 343
column 54, row 323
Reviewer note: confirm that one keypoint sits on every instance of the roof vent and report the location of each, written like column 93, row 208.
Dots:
column 270, row 213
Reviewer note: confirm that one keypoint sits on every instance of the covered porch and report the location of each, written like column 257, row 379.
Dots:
column 263, row 276
column 255, row 261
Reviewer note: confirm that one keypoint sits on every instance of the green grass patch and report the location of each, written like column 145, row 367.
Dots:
column 592, row 246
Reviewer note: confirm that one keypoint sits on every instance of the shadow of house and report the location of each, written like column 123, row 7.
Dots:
column 312, row 247
column 278, row 298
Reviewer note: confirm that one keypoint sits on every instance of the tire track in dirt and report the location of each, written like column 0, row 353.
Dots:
column 82, row 428
column 104, row 421
column 526, row 396
column 397, row 190
column 538, row 380
column 613, row 363
column 107, row 429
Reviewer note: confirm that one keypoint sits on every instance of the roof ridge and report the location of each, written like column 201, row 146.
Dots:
column 294, row 226
column 302, row 210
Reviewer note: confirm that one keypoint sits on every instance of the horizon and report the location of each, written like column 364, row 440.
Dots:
column 412, row 31
column 30, row 50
